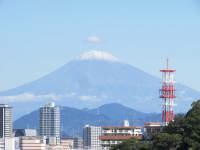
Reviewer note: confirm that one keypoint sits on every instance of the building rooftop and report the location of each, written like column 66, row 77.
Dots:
column 4, row 105
column 31, row 137
column 25, row 132
column 153, row 124
column 121, row 127
column 51, row 104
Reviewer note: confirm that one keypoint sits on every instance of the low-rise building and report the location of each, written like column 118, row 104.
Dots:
column 78, row 143
column 151, row 128
column 67, row 144
column 25, row 132
column 32, row 143
column 54, row 147
column 113, row 135
column 38, row 143
column 7, row 144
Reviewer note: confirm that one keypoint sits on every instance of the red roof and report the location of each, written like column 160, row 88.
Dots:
column 121, row 127
column 119, row 137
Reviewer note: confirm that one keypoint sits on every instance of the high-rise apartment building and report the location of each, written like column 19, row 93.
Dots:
column 5, row 121
column 50, row 123
column 91, row 135
column 6, row 128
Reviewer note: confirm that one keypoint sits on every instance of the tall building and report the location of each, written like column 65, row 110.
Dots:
column 5, row 121
column 6, row 127
column 91, row 136
column 50, row 123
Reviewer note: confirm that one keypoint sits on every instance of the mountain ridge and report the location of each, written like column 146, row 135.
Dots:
column 73, row 120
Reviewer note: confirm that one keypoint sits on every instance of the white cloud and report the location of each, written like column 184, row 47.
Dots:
column 88, row 98
column 28, row 97
column 94, row 39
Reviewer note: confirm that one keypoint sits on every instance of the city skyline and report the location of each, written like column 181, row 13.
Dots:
column 41, row 36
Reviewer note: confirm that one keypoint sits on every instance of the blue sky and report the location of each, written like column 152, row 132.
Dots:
column 39, row 36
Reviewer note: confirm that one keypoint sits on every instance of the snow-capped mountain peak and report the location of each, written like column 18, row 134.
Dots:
column 97, row 55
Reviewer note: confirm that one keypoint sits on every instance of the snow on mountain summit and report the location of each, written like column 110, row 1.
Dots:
column 97, row 55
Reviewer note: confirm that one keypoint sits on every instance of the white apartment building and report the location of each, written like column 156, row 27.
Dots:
column 50, row 123
column 7, row 144
column 6, row 128
column 91, row 136
column 113, row 135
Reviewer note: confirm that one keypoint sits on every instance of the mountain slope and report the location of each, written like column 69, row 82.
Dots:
column 118, row 112
column 93, row 79
column 73, row 120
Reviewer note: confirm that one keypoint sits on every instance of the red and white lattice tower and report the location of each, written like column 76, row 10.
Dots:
column 167, row 94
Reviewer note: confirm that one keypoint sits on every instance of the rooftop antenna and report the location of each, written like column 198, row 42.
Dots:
column 167, row 63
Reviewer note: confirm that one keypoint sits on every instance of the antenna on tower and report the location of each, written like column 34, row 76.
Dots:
column 167, row 63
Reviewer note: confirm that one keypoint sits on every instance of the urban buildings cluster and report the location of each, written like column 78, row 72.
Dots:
column 103, row 138
column 48, row 136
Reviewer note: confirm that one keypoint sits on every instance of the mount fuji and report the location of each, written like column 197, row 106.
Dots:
column 92, row 79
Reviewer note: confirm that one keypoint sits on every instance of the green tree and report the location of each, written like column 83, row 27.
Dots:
column 192, row 127
column 166, row 141
column 188, row 127
column 177, row 126
column 133, row 144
